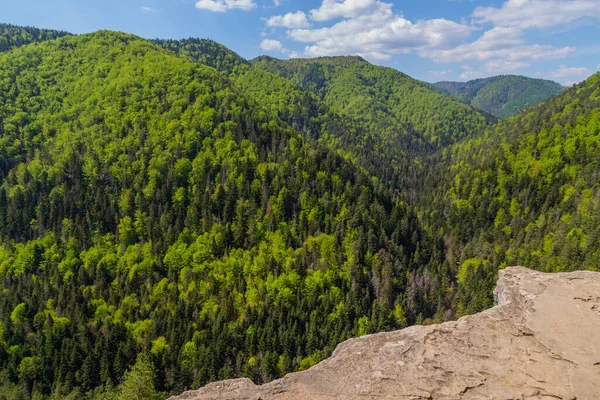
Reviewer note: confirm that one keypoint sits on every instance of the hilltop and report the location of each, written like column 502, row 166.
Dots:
column 502, row 96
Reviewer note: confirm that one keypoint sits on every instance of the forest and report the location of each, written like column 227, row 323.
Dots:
column 502, row 96
column 172, row 214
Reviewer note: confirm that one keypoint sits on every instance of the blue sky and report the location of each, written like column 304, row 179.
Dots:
column 428, row 39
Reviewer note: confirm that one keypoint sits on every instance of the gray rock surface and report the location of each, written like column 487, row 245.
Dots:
column 542, row 341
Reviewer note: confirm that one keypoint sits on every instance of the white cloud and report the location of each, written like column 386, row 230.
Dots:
column 224, row 5
column 567, row 75
column 277, row 3
column 527, row 14
column 377, row 34
column 271, row 45
column 147, row 9
column 500, row 66
column 289, row 20
column 470, row 73
column 372, row 29
column 331, row 9
column 440, row 74
column 567, row 72
column 499, row 45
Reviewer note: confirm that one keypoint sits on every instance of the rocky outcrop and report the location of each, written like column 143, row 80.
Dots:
column 542, row 341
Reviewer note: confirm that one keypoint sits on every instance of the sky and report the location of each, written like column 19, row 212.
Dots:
column 431, row 40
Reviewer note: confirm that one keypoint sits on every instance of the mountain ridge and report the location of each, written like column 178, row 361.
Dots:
column 502, row 95
column 173, row 215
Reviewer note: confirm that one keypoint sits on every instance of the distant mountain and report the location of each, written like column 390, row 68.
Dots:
column 204, row 51
column 384, row 98
column 502, row 96
column 12, row 36
column 172, row 214
column 152, row 209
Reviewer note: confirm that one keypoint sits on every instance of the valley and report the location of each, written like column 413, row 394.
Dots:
column 172, row 214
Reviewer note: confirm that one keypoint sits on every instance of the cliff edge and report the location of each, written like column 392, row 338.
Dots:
column 542, row 341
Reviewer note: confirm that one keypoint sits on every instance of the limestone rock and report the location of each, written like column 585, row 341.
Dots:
column 542, row 341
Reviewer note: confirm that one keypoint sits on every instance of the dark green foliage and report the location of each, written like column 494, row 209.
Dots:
column 12, row 36
column 387, row 101
column 378, row 118
column 527, row 192
column 205, row 52
column 502, row 96
column 171, row 214
column 147, row 204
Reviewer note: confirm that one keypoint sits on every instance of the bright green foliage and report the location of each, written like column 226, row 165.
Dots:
column 150, row 205
column 138, row 382
column 243, row 221
column 387, row 101
column 502, row 96
column 525, row 193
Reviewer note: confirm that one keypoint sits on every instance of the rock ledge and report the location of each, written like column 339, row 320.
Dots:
column 542, row 341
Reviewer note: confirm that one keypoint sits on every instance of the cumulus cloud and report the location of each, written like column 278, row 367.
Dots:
column 290, row 20
column 271, row 45
column 470, row 73
column 376, row 34
column 331, row 9
column 372, row 29
column 527, row 14
column 567, row 75
column 568, row 72
column 225, row 5
column 440, row 74
column 500, row 46
column 501, row 66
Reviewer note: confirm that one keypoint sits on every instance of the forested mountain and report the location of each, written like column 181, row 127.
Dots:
column 385, row 100
column 12, row 36
column 502, row 96
column 374, row 137
column 150, row 209
column 206, row 52
column 527, row 192
column 171, row 214
column 381, row 119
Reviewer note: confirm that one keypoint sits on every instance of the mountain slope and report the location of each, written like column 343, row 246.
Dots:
column 150, row 209
column 502, row 96
column 171, row 205
column 373, row 139
column 385, row 99
column 527, row 192
column 509, row 351
column 12, row 36
column 206, row 52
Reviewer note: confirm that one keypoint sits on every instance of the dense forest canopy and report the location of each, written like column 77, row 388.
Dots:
column 172, row 214
column 527, row 191
column 12, row 36
column 502, row 96
column 149, row 205
column 384, row 98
